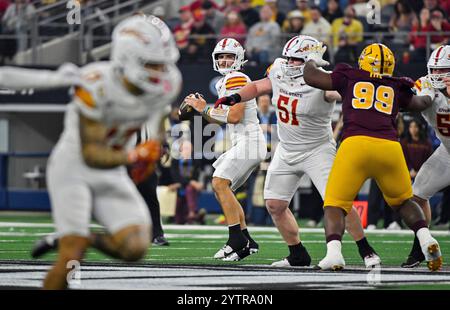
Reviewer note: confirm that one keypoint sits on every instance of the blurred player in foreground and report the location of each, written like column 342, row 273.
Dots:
column 370, row 147
column 86, row 172
column 248, row 149
column 306, row 145
column 434, row 175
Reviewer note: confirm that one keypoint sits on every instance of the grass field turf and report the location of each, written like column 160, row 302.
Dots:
column 197, row 245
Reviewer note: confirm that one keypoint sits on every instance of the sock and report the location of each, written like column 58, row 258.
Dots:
column 333, row 237
column 364, row 248
column 247, row 235
column 334, row 246
column 236, row 238
column 423, row 235
column 296, row 250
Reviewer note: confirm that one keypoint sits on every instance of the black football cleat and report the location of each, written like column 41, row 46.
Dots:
column 44, row 245
column 160, row 241
column 413, row 261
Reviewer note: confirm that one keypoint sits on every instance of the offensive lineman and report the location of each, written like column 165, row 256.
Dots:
column 434, row 174
column 86, row 170
column 248, row 149
column 306, row 146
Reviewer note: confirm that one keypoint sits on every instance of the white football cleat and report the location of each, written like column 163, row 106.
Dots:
column 224, row 251
column 432, row 254
column 281, row 263
column 372, row 261
column 333, row 262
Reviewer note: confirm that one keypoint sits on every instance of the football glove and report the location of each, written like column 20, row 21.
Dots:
column 317, row 56
column 143, row 160
column 426, row 89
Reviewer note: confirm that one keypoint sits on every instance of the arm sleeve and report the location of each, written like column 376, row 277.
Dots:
column 19, row 78
column 339, row 78
column 406, row 92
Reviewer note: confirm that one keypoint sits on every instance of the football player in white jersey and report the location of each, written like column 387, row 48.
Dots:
column 86, row 172
column 248, row 148
column 434, row 175
column 306, row 145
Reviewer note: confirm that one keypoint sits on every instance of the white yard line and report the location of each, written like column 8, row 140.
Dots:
column 224, row 228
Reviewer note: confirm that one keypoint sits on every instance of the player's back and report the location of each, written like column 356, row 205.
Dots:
column 303, row 115
column 370, row 104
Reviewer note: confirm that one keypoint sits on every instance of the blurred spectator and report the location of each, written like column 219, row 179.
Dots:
column 277, row 16
column 445, row 5
column 416, row 147
column 185, row 175
column 347, row 33
column 234, row 28
column 202, row 40
column 303, row 6
column 267, row 117
column 318, row 27
column 230, row 5
column 263, row 38
column 249, row 15
column 431, row 4
column 182, row 31
column 196, row 6
column 333, row 11
column 402, row 21
column 438, row 24
column 295, row 24
column 3, row 6
column 419, row 41
column 214, row 17
column 17, row 20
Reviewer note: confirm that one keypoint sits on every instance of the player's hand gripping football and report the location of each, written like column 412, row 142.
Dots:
column 316, row 55
column 196, row 101
column 143, row 160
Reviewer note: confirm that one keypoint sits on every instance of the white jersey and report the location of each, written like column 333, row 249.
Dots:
column 103, row 98
column 228, row 85
column 438, row 116
column 304, row 117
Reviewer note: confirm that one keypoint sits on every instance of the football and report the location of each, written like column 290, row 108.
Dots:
column 186, row 112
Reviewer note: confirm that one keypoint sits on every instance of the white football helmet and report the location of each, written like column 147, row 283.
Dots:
column 229, row 46
column 139, row 41
column 439, row 59
column 298, row 47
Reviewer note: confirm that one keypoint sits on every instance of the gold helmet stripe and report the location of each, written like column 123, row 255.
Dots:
column 382, row 59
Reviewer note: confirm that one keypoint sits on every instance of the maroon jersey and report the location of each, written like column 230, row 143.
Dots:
column 370, row 105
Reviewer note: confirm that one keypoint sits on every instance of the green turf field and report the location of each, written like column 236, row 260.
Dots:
column 198, row 245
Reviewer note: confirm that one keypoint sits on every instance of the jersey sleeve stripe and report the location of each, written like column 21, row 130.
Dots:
column 235, row 85
column 85, row 97
column 236, row 80
column 418, row 85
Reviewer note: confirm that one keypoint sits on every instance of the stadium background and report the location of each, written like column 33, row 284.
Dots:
column 31, row 122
